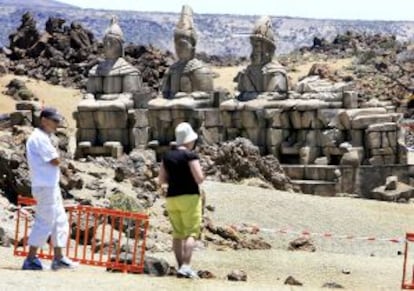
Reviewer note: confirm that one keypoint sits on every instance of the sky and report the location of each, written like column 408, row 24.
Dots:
column 333, row 9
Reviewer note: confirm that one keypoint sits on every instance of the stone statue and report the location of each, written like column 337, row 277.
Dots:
column 264, row 74
column 103, row 114
column 188, row 74
column 114, row 78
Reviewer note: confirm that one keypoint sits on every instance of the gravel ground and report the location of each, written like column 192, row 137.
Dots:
column 371, row 265
column 344, row 216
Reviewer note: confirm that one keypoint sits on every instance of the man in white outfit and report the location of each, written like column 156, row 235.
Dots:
column 50, row 219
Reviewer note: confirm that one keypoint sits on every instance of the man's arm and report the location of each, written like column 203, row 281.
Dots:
column 48, row 152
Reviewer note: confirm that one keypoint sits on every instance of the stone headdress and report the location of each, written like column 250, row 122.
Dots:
column 114, row 30
column 263, row 29
column 185, row 26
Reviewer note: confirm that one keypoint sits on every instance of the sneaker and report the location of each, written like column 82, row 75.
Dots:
column 33, row 264
column 186, row 272
column 64, row 263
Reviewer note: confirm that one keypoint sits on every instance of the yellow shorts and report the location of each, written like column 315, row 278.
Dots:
column 184, row 212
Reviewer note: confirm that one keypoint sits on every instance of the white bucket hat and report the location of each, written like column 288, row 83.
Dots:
column 184, row 134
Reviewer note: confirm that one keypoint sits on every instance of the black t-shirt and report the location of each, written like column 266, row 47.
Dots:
column 180, row 178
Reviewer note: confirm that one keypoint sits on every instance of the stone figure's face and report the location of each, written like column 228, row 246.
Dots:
column 262, row 51
column 184, row 48
column 112, row 48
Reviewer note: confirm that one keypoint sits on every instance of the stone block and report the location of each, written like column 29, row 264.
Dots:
column 21, row 117
column 363, row 121
column 112, row 84
column 296, row 172
column 274, row 150
column 373, row 140
column 328, row 116
column 285, row 120
column 212, row 135
column 287, row 149
column 308, row 119
column 384, row 140
column 164, row 115
column 232, row 133
column 383, row 151
column 313, row 138
column 142, row 97
column 376, row 160
column 226, row 118
column 113, row 135
column 385, row 126
column 389, row 159
column 350, row 158
column 307, row 155
column 110, row 119
column 322, row 161
column 85, row 119
column 213, row 118
column 137, row 118
column 200, row 115
column 296, row 119
column 116, row 149
column 183, row 114
column 392, row 138
column 257, row 136
column 357, row 137
column 86, row 135
column 28, row 105
column 272, row 115
column 274, row 137
column 249, row 119
column 346, row 116
column 138, row 137
column 350, row 99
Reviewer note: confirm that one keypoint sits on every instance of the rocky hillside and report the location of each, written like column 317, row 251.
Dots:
column 220, row 34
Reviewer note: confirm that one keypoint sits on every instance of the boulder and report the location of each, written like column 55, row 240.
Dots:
column 302, row 244
column 237, row 275
column 401, row 191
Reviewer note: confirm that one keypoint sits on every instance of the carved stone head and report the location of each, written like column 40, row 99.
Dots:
column 113, row 40
column 263, row 42
column 185, row 36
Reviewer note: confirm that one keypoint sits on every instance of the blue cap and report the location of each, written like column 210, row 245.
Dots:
column 51, row 113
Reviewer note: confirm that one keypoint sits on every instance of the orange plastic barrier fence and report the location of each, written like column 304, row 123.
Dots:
column 408, row 280
column 97, row 236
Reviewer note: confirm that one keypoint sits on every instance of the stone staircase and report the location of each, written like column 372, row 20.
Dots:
column 314, row 179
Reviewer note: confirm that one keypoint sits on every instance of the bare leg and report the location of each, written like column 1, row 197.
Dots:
column 58, row 253
column 178, row 250
column 189, row 244
column 32, row 252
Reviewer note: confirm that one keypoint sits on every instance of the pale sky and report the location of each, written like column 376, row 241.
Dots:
column 336, row 9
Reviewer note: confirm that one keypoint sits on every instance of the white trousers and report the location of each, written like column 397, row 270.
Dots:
column 50, row 218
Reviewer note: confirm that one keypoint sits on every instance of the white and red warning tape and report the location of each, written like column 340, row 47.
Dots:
column 254, row 229
column 329, row 235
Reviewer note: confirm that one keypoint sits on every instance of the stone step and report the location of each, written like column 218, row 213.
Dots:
column 312, row 172
column 316, row 187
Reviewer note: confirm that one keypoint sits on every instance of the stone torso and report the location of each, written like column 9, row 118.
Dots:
column 187, row 77
column 113, row 77
column 261, row 78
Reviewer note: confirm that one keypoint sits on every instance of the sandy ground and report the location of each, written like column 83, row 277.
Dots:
column 65, row 99
column 372, row 265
